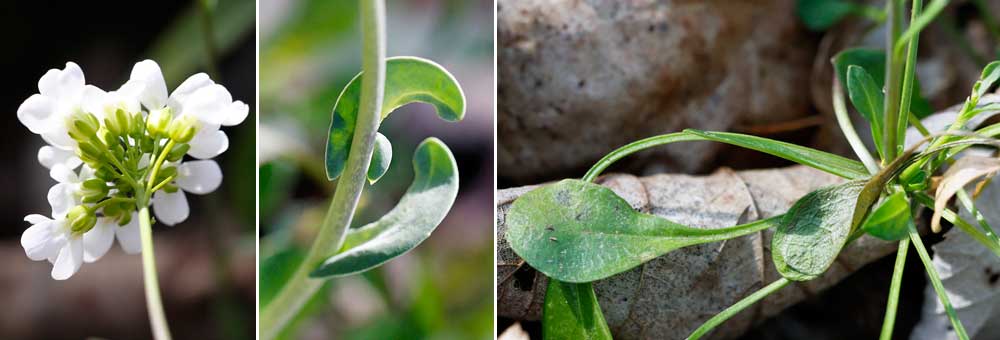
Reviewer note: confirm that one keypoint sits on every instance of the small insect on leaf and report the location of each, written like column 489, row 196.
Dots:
column 964, row 171
column 890, row 220
column 423, row 206
column 815, row 229
column 571, row 311
column 577, row 231
column 407, row 80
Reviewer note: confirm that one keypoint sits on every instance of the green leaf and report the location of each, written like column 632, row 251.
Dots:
column 422, row 208
column 991, row 73
column 889, row 220
column 814, row 230
column 571, row 311
column 407, row 80
column 873, row 61
column 868, row 99
column 577, row 231
column 381, row 158
column 819, row 15
column 276, row 270
column 825, row 161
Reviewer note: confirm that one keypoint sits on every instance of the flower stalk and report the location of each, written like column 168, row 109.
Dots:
column 151, row 285
column 338, row 218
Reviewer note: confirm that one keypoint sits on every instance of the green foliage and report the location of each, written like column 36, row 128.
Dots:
column 577, row 231
column 889, row 221
column 425, row 204
column 814, row 230
column 571, row 311
column 407, row 80
column 873, row 62
column 867, row 98
column 819, row 15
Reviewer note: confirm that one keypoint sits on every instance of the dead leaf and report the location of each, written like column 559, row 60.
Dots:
column 964, row 171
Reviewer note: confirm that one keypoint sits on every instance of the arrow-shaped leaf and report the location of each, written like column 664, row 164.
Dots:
column 422, row 208
column 407, row 80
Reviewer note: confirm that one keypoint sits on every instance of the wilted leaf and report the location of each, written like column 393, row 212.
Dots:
column 423, row 206
column 964, row 171
column 577, row 231
column 572, row 312
column 407, row 80
column 814, row 230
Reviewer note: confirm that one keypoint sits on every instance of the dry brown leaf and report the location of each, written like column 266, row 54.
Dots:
column 966, row 170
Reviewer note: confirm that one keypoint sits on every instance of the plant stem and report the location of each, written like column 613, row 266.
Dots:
column 893, row 73
column 157, row 165
column 932, row 275
column 154, row 305
column 300, row 286
column 738, row 307
column 840, row 110
column 909, row 70
column 897, row 279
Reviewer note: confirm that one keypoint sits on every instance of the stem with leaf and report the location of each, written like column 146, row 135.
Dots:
column 300, row 286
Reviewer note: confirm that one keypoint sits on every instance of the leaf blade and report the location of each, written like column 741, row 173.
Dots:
column 418, row 213
column 571, row 311
column 407, row 80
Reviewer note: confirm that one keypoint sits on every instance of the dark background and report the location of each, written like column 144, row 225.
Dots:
column 206, row 263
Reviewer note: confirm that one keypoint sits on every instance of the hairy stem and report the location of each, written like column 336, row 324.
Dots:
column 154, row 304
column 338, row 218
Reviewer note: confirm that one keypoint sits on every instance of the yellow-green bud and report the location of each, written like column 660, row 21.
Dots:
column 81, row 219
column 183, row 128
column 178, row 152
column 89, row 153
column 125, row 218
column 83, row 126
column 119, row 123
column 93, row 190
column 158, row 121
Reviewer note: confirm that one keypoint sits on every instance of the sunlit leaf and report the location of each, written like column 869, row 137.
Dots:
column 825, row 161
column 991, row 73
column 889, row 221
column 577, row 231
column 422, row 208
column 814, row 230
column 571, row 311
column 964, row 171
column 407, row 80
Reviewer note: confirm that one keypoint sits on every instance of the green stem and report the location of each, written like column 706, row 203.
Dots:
column 738, row 307
column 970, row 206
column 909, row 70
column 157, row 165
column 932, row 275
column 957, row 221
column 893, row 77
column 840, row 110
column 154, row 305
column 163, row 183
column 300, row 286
column 897, row 279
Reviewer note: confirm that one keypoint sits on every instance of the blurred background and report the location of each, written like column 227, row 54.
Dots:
column 206, row 263
column 309, row 50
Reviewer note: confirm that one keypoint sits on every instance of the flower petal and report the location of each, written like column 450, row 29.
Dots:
column 35, row 239
column 37, row 113
column 208, row 145
column 199, row 177
column 170, row 208
column 63, row 174
column 236, row 113
column 189, row 86
column 154, row 94
column 209, row 104
column 62, row 198
column 58, row 136
column 98, row 240
column 49, row 156
column 128, row 236
column 69, row 260
column 67, row 82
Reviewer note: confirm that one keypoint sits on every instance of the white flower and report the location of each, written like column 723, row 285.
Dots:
column 50, row 156
column 59, row 95
column 65, row 195
column 198, row 96
column 52, row 240
column 197, row 177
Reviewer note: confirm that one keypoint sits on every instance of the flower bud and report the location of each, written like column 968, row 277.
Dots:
column 165, row 172
column 81, row 219
column 178, row 152
column 158, row 121
column 119, row 123
column 105, row 173
column 89, row 153
column 83, row 126
column 183, row 128
column 93, row 190
column 125, row 218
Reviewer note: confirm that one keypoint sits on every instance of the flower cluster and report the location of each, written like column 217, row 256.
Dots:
column 115, row 152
